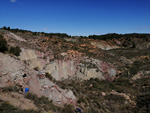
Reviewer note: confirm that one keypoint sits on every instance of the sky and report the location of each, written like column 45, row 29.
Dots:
column 77, row 17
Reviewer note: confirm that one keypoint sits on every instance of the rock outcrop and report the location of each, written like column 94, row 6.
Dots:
column 10, row 69
column 144, row 45
column 14, row 36
column 94, row 68
column 65, row 69
column 31, row 59
column 52, row 91
column 62, row 69
column 104, row 45
column 27, row 54
column 70, row 39
column 141, row 74
column 86, row 74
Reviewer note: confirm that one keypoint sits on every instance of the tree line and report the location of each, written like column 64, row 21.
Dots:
column 62, row 35
column 117, row 36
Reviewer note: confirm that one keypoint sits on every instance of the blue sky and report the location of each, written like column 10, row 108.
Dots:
column 77, row 17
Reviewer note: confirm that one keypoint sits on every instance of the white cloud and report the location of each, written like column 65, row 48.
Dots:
column 13, row 1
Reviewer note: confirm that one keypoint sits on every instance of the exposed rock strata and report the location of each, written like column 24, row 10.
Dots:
column 104, row 45
column 11, row 73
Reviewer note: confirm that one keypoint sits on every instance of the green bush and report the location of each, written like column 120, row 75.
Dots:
column 10, row 89
column 3, row 44
column 7, row 89
column 36, row 68
column 68, row 109
column 143, row 101
column 115, row 98
column 49, row 76
column 15, row 50
column 91, row 110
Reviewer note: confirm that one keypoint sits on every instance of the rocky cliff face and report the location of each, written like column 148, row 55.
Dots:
column 12, row 71
column 84, row 68
column 94, row 68
column 66, row 69
column 62, row 69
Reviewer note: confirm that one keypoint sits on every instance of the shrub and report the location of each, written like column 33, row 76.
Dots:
column 68, row 109
column 10, row 89
column 143, row 101
column 15, row 50
column 7, row 89
column 49, row 76
column 115, row 98
column 36, row 68
column 3, row 44
column 91, row 110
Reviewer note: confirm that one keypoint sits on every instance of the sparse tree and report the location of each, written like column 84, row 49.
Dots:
column 4, row 27
column 8, row 28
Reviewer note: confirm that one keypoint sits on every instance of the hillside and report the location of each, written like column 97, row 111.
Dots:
column 98, row 74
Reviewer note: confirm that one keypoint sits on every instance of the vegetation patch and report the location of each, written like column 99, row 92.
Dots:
column 44, row 103
column 15, row 50
column 3, row 44
column 6, row 107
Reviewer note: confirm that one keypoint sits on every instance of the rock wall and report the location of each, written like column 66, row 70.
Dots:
column 61, row 69
column 94, row 68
